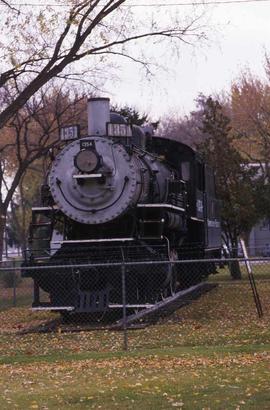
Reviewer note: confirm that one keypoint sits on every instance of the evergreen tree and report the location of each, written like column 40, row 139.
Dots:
column 235, row 179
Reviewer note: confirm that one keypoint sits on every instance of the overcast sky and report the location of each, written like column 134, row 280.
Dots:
column 239, row 35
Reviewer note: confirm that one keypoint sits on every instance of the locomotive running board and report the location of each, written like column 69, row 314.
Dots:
column 44, row 208
column 169, row 206
column 95, row 240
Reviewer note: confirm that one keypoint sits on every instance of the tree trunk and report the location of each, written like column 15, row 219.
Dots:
column 234, row 265
column 2, row 232
column 23, row 235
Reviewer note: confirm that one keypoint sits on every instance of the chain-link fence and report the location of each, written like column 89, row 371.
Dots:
column 127, row 293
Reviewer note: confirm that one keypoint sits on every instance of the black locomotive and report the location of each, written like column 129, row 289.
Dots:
column 121, row 193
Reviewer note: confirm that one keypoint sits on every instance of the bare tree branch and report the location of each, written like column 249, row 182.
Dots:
column 83, row 25
column 6, row 3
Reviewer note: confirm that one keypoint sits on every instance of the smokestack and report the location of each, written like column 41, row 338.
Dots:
column 98, row 115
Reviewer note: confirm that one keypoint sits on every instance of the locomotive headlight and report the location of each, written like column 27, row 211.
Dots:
column 87, row 161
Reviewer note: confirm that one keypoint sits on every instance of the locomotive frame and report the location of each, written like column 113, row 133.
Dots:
column 163, row 209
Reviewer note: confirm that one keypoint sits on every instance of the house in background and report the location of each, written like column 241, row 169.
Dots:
column 259, row 239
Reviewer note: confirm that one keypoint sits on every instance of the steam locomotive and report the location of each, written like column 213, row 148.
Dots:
column 120, row 194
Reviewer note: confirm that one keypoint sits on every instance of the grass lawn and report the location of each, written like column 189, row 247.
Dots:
column 260, row 269
column 212, row 354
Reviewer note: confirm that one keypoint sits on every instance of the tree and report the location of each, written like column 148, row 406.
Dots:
column 250, row 113
column 9, row 6
column 26, row 196
column 31, row 134
column 133, row 116
column 41, row 44
column 237, row 186
column 186, row 130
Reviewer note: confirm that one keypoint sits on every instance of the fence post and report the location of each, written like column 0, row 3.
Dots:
column 14, row 285
column 252, row 280
column 124, row 301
